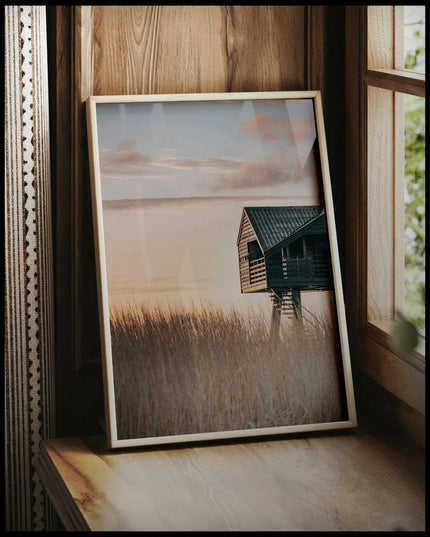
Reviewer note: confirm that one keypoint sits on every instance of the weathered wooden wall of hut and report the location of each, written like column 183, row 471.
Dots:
column 247, row 234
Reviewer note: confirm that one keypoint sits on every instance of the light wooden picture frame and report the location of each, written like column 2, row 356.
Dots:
column 220, row 294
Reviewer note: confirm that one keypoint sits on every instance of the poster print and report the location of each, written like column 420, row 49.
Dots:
column 220, row 297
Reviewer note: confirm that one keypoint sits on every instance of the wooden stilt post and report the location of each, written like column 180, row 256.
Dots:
column 297, row 304
column 276, row 316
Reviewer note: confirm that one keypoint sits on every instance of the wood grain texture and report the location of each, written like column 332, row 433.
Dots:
column 84, row 307
column 196, row 49
column 403, row 426
column 59, row 494
column 380, row 204
column 326, row 483
column 380, row 37
column 333, row 98
column 397, row 376
column 356, row 172
column 402, row 81
column 59, row 38
column 316, row 50
column 399, row 204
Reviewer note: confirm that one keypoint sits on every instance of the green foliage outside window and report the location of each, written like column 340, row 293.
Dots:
column 415, row 185
column 415, row 210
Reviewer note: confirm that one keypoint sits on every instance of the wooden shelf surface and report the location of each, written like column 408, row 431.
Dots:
column 330, row 482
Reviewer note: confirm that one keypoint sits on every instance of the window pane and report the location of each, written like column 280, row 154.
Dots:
column 414, row 307
column 414, row 38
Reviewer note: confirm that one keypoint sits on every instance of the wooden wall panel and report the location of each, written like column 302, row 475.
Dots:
column 355, row 281
column 107, row 50
column 189, row 49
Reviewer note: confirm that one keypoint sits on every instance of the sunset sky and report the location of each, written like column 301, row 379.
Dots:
column 175, row 178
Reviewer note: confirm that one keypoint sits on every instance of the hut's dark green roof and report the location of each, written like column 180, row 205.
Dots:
column 275, row 224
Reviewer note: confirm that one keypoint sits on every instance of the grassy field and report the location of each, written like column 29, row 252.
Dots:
column 191, row 372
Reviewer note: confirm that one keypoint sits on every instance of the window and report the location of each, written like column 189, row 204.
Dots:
column 414, row 38
column 395, row 165
column 254, row 251
column 414, row 197
column 414, row 187
column 385, row 189
column 295, row 249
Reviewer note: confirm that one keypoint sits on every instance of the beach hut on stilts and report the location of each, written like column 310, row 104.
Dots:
column 284, row 251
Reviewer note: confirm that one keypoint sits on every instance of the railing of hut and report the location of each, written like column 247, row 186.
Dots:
column 257, row 271
column 306, row 268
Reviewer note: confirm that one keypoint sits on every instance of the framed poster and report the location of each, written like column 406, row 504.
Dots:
column 220, row 293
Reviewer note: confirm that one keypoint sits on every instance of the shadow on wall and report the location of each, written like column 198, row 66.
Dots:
column 86, row 409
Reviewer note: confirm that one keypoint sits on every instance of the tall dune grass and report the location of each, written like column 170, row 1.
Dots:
column 180, row 372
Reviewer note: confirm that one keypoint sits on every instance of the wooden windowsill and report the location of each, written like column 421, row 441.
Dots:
column 404, row 376
column 417, row 357
column 346, row 481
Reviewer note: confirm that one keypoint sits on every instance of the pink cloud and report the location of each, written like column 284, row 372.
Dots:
column 126, row 144
column 125, row 155
column 204, row 164
column 304, row 129
column 274, row 128
column 253, row 175
column 270, row 128
column 128, row 158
